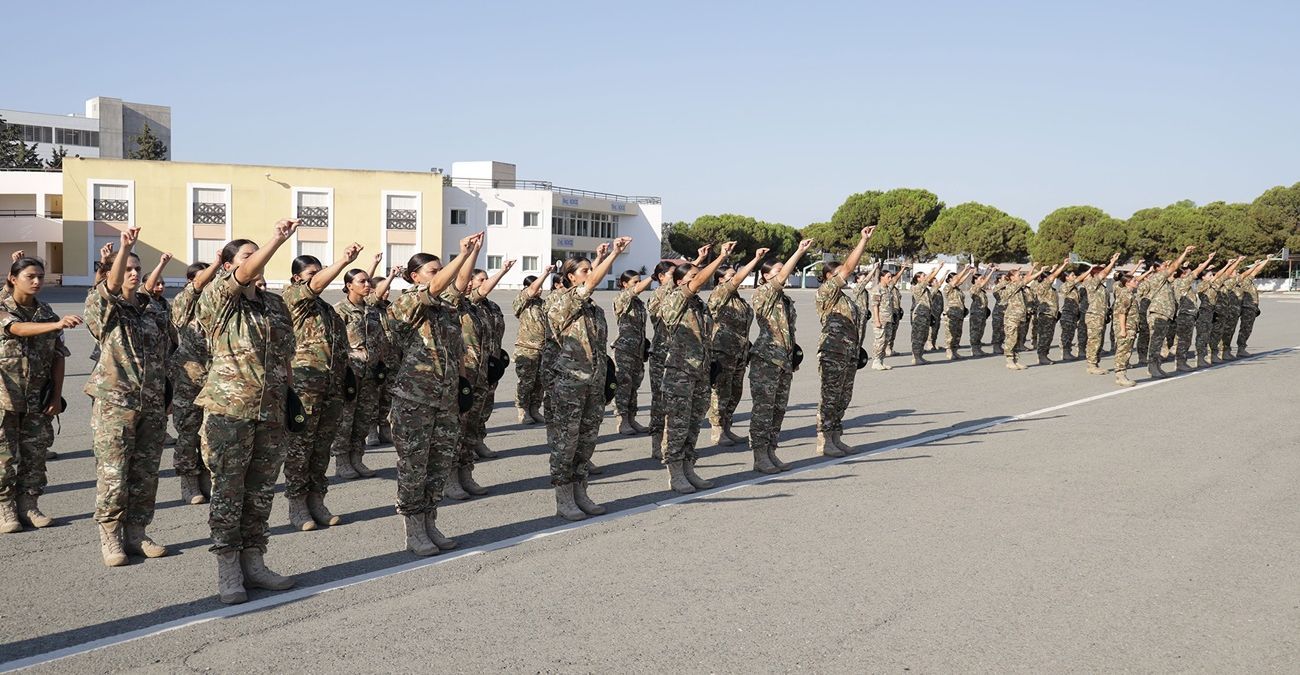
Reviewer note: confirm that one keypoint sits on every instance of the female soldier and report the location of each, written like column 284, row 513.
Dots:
column 32, row 357
column 128, row 385
column 382, row 432
column 954, row 302
column 882, row 317
column 531, row 338
column 576, row 380
column 367, row 346
column 250, row 338
column 1126, row 317
column 1092, row 291
column 979, row 312
column 663, row 274
column 837, row 353
column 459, row 483
column 936, row 319
column 999, row 313
column 630, row 350
column 189, row 370
column 1016, row 309
column 772, row 360
column 732, row 317
column 493, row 322
column 921, row 305
column 425, row 417
column 320, row 362
column 686, row 370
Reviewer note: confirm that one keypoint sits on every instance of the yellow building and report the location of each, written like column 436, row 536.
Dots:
column 191, row 210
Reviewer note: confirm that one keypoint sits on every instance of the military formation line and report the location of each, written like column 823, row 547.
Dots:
column 256, row 381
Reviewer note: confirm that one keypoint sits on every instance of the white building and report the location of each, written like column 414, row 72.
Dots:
column 31, row 217
column 107, row 129
column 538, row 223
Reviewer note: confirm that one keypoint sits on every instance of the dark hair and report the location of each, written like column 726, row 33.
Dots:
column 625, row 277
column 377, row 280
column 477, row 271
column 416, row 262
column 1122, row 278
column 917, row 277
column 302, row 262
column 569, row 267
column 351, row 274
column 194, row 269
column 528, row 280
column 949, row 277
column 230, row 250
column 22, row 264
column 721, row 273
column 828, row 269
column 680, row 272
column 769, row 265
column 102, row 266
column 662, row 267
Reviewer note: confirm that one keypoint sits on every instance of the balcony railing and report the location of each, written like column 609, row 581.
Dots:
column 492, row 183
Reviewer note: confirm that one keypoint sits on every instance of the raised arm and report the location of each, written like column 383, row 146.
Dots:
column 24, row 329
column 598, row 273
column 1201, row 268
column 451, row 271
column 601, row 251
column 1110, row 267
column 962, row 276
column 382, row 288
column 642, row 285
column 748, row 269
column 253, row 267
column 929, row 278
column 703, row 276
column 855, row 256
column 535, row 289
column 322, row 279
column 204, row 277
column 492, row 281
column 790, row 265
column 1181, row 257
column 702, row 254
column 466, row 271
column 374, row 265
column 157, row 272
column 118, row 271
column 1056, row 272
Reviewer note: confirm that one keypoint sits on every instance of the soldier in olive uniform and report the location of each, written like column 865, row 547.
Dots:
column 494, row 323
column 630, row 353
column 576, row 379
column 936, row 318
column 663, row 274
column 1162, row 310
column 1047, row 307
column 1188, row 305
column 1142, row 342
column 979, row 311
column 771, row 364
column 1093, row 287
column 460, row 483
column 382, row 432
column 883, row 317
column 128, row 384
column 367, row 350
column 732, row 317
column 891, row 329
column 32, row 357
column 1014, row 315
column 999, row 314
column 954, row 303
column 1249, row 305
column 531, row 337
column 837, row 350
column 1126, row 317
column 1230, row 300
column 1207, row 292
column 189, row 370
column 686, row 370
column 1072, row 307
column 921, row 306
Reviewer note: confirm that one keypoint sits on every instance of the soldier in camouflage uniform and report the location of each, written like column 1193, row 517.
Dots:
column 954, row 303
column 1222, row 298
column 732, row 317
column 531, row 337
column 1093, row 288
column 999, row 314
column 189, row 370
column 1230, row 307
column 128, row 385
column 1249, row 305
column 883, row 317
column 576, row 379
column 979, row 312
column 1126, row 317
column 426, row 417
column 663, row 276
column 936, row 319
column 891, row 330
column 32, row 357
column 367, row 354
column 770, row 363
column 494, row 325
column 1207, row 292
column 251, row 341
column 837, row 350
column 1162, row 310
column 630, row 350
column 1047, row 307
column 320, row 364
column 1072, row 308
column 1143, row 339
column 921, row 304
column 1017, row 309
column 686, row 370
column 382, row 432
column 460, row 483
column 1188, row 310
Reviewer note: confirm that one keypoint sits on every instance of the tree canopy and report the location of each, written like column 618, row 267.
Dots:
column 149, row 146
column 749, row 234
column 14, row 153
column 900, row 216
column 985, row 232
column 1056, row 234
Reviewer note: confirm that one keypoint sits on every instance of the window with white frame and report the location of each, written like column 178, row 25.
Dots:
column 209, row 206
column 531, row 263
column 496, row 218
column 494, row 262
column 112, row 203
column 320, row 249
column 399, row 254
column 400, row 213
column 207, row 250
column 532, row 219
column 459, row 217
column 313, row 209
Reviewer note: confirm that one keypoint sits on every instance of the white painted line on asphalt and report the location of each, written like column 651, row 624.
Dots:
column 310, row 591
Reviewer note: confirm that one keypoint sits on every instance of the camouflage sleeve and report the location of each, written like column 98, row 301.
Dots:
column 563, row 308
column 766, row 298
column 673, row 308
column 520, row 303
column 100, row 305
column 300, row 299
column 622, row 302
column 720, row 296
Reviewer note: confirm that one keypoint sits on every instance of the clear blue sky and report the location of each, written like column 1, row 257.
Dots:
column 776, row 110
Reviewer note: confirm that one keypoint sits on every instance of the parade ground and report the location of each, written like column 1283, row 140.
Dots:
column 1035, row 521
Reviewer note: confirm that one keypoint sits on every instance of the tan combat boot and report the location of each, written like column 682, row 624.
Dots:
column 565, row 506
column 466, row 476
column 483, row 451
column 878, row 364
column 584, row 502
column 452, row 488
column 1096, row 369
column 319, row 512
column 230, row 579
column 719, row 437
column 657, row 445
column 776, row 461
column 299, row 517
column 838, row 439
column 640, row 428
column 110, row 544
column 1182, row 366
column 442, row 541
column 677, row 479
column 763, row 463
column 417, row 536
column 137, row 542
column 360, row 466
column 30, row 513
column 524, row 417
column 826, row 447
column 258, row 575
column 735, row 438
column 1121, row 378
column 343, row 467
column 9, row 522
column 190, row 492
column 699, row 483
column 951, row 354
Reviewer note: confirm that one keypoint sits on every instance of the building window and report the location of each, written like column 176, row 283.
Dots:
column 314, row 209
column 112, row 203
column 209, row 207
column 531, row 263
column 496, row 218
column 208, row 250
column 401, row 212
column 82, row 137
column 399, row 254
column 320, row 249
column 494, row 262
column 35, row 134
column 459, row 217
column 532, row 219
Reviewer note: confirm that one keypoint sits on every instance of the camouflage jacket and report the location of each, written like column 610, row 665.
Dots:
column 732, row 317
column 472, row 329
column 321, row 339
column 1094, row 289
column 366, row 338
column 133, row 341
column 687, row 323
column 1161, row 292
column 652, row 307
column 954, row 299
column 388, row 353
column 426, row 334
column 533, row 328
column 1249, row 293
column 252, row 343
column 1070, row 296
column 630, row 314
column 936, row 301
column 921, row 298
column 841, row 318
column 979, row 301
column 189, row 366
column 1126, row 306
column 1016, row 297
column 1000, row 291
column 776, row 319
column 1047, row 300
column 26, row 363
column 884, row 303
column 579, row 334
column 1231, row 294
column 495, row 320
column 1185, row 295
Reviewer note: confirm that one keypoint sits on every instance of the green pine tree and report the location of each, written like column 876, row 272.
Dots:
column 55, row 162
column 148, row 146
column 14, row 153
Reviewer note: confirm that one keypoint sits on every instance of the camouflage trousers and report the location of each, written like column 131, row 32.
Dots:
column 128, row 449
column 686, row 395
column 979, row 320
column 769, row 386
column 1014, row 325
column 308, row 452
column 1226, row 332
column 469, row 436
column 486, row 398
column 1184, row 334
column 1143, row 340
column 426, row 435
column 1095, row 325
column 657, row 411
column 1072, row 328
column 936, row 320
column 357, row 418
column 188, row 419
column 1248, row 315
column 245, row 457
column 573, row 424
column 1044, row 331
column 727, row 391
column 999, row 318
column 837, row 372
column 1158, row 328
column 1123, row 350
column 954, row 319
column 528, row 368
column 880, row 340
column 630, row 368
column 24, row 438
column 1204, row 330
column 920, row 331
column 891, row 333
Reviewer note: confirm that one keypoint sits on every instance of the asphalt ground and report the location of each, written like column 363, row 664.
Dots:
column 996, row 520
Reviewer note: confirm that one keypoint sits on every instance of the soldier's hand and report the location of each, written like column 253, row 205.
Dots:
column 1115, row 257
column 727, row 248
column 352, row 251
column 396, row 272
column 166, row 258
column 602, row 250
column 550, row 269
column 16, row 255
column 621, row 244
column 70, row 321
column 285, row 227
column 805, row 245
column 106, row 252
column 867, row 231
column 1189, row 248
column 704, row 250
column 508, row 264
column 761, row 253
column 129, row 237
